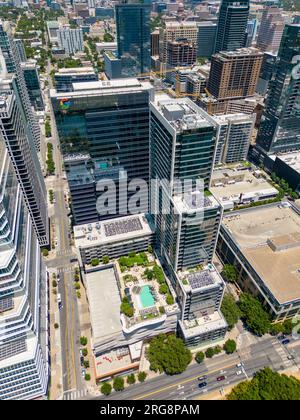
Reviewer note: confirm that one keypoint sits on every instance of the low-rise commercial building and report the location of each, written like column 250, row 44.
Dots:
column 240, row 186
column 263, row 244
column 117, row 333
column 113, row 238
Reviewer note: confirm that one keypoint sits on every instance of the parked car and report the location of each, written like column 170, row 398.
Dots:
column 285, row 342
column 239, row 373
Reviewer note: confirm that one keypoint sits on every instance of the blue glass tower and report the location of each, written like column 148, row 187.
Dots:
column 134, row 37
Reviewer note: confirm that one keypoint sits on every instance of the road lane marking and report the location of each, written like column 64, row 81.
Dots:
column 159, row 391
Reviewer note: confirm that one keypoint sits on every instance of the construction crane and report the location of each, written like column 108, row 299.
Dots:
column 210, row 105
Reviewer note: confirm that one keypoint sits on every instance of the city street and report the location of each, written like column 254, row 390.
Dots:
column 267, row 352
column 69, row 317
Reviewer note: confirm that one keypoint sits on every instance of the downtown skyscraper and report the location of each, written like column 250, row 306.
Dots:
column 182, row 148
column 232, row 25
column 280, row 126
column 12, row 57
column 19, row 128
column 24, row 367
column 134, row 37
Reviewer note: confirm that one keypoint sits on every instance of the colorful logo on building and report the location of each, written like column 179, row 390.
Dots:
column 65, row 104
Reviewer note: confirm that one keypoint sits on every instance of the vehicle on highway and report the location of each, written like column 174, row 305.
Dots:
column 239, row 373
column 202, row 385
column 59, row 302
column 202, row 378
column 285, row 342
column 221, row 378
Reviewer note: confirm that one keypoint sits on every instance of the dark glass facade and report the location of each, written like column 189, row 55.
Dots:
column 280, row 126
column 232, row 25
column 34, row 89
column 112, row 128
column 134, row 38
column 114, row 131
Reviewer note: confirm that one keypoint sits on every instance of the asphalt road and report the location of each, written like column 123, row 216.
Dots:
column 69, row 316
column 267, row 352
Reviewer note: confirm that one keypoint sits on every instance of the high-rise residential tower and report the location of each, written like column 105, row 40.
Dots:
column 13, row 60
column 234, row 74
column 70, row 39
column 181, row 53
column 234, row 133
column 280, row 127
column 171, row 31
column 232, row 25
column 14, row 132
column 24, row 369
column 271, row 29
column 134, row 37
column 183, row 143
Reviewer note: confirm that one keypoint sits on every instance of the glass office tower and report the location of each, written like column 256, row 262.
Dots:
column 183, row 145
column 232, row 25
column 280, row 127
column 134, row 37
column 108, row 120
column 24, row 368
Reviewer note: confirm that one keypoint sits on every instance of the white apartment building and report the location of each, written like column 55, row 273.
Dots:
column 24, row 368
column 71, row 40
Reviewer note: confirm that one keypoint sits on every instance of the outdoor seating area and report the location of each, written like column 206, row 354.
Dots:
column 144, row 285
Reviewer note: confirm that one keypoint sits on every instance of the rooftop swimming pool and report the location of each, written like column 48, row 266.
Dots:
column 146, row 297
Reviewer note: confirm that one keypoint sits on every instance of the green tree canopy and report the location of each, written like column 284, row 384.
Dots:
column 168, row 354
column 254, row 314
column 131, row 379
column 106, row 388
column 267, row 386
column 200, row 356
column 142, row 376
column 230, row 310
column 118, row 384
column 230, row 346
column 230, row 273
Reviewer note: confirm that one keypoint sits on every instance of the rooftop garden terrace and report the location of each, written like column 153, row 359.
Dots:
column 146, row 293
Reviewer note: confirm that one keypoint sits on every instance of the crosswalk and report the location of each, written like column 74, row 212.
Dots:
column 282, row 353
column 75, row 394
column 62, row 270
column 64, row 253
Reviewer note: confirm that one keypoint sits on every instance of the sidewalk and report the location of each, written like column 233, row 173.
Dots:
column 85, row 331
column 56, row 388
